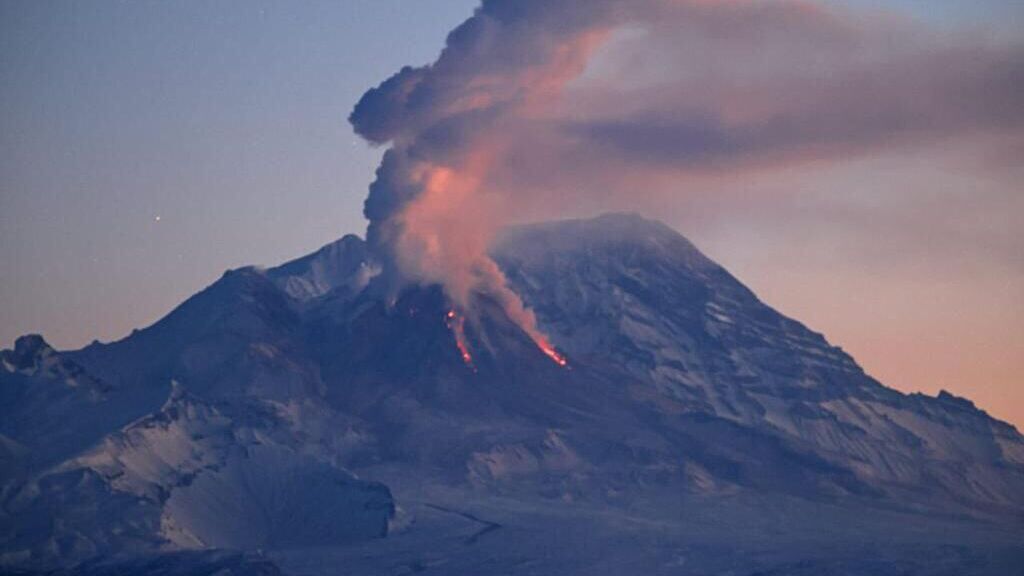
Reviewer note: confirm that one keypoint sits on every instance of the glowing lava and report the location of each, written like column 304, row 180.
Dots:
column 550, row 351
column 457, row 324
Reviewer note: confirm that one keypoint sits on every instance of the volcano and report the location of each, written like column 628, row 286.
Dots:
column 305, row 420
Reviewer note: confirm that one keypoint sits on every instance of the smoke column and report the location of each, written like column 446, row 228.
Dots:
column 506, row 119
column 431, row 212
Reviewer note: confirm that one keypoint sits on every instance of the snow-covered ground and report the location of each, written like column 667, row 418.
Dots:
column 304, row 419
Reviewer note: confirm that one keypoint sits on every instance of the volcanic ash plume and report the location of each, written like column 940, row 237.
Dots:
column 597, row 102
column 431, row 212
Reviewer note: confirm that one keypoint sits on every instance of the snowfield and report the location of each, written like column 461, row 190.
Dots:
column 304, row 420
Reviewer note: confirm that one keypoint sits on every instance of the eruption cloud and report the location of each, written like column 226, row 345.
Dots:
column 552, row 106
column 432, row 215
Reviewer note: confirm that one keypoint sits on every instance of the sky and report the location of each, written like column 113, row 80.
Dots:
column 146, row 147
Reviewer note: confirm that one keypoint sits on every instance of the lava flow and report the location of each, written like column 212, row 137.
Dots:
column 550, row 351
column 457, row 324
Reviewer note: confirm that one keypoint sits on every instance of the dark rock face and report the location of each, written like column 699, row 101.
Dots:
column 693, row 423
column 27, row 354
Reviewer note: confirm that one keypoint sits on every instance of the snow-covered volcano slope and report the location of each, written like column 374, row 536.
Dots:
column 623, row 292
column 693, row 420
column 185, row 476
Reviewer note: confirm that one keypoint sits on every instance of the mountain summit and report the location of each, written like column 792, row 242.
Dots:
column 303, row 415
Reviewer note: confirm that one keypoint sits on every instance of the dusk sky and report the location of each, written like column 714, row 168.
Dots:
column 146, row 147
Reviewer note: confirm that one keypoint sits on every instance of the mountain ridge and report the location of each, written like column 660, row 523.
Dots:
column 683, row 392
